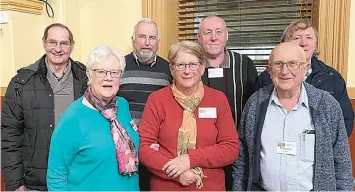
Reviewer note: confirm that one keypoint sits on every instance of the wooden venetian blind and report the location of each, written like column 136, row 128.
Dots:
column 254, row 26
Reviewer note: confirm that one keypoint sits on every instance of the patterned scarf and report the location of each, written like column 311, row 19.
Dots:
column 127, row 157
column 188, row 130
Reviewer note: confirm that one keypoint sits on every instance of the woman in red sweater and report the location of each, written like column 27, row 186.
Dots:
column 187, row 133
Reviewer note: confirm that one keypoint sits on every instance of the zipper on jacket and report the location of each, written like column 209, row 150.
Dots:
column 241, row 83
column 234, row 91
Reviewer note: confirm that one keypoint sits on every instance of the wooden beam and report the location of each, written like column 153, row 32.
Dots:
column 26, row 6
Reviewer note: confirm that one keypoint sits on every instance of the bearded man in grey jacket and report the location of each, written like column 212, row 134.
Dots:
column 292, row 135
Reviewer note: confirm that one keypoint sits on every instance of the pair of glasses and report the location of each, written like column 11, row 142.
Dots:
column 182, row 66
column 291, row 65
column 101, row 73
column 54, row 43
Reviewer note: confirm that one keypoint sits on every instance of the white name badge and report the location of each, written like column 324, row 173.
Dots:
column 207, row 112
column 215, row 72
column 288, row 148
column 133, row 125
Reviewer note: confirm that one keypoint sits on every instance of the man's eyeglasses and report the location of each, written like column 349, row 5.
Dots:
column 291, row 65
column 54, row 43
column 101, row 73
column 182, row 66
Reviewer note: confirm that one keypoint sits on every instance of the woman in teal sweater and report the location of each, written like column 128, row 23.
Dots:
column 95, row 145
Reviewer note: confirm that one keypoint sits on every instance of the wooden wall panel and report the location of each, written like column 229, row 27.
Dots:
column 2, row 93
column 351, row 92
column 352, row 142
column 1, row 100
column 2, row 183
column 165, row 14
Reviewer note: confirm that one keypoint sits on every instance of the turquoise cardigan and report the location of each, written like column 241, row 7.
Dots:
column 82, row 155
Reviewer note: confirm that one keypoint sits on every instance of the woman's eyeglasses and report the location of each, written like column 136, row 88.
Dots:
column 182, row 66
column 101, row 73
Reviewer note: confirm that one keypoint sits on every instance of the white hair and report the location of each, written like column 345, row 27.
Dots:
column 144, row 20
column 104, row 52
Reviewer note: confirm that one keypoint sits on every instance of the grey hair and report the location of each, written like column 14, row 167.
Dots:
column 104, row 52
column 300, row 24
column 144, row 20
column 213, row 16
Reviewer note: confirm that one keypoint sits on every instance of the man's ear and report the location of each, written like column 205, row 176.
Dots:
column 268, row 69
column 132, row 40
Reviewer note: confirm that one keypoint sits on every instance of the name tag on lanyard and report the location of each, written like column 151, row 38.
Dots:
column 215, row 72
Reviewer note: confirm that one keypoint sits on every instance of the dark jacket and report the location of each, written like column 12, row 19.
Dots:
column 238, row 82
column 328, row 79
column 332, row 163
column 28, row 122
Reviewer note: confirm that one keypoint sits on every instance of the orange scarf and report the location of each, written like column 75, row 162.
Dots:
column 188, row 130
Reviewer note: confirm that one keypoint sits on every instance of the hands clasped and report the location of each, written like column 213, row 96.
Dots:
column 175, row 167
column 180, row 166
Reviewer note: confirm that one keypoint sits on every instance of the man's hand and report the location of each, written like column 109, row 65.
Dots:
column 22, row 188
column 177, row 166
column 188, row 177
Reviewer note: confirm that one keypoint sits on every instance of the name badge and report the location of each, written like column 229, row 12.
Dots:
column 288, row 148
column 215, row 72
column 133, row 125
column 207, row 112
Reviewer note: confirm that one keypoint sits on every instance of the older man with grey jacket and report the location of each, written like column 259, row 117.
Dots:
column 292, row 135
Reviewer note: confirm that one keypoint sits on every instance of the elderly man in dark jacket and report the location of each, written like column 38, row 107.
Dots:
column 35, row 99
column 319, row 74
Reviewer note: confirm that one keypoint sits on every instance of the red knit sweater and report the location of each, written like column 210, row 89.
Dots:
column 217, row 139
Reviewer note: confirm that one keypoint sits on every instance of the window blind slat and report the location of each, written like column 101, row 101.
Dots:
column 254, row 26
column 228, row 6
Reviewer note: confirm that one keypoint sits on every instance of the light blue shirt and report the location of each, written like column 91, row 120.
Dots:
column 287, row 172
column 82, row 154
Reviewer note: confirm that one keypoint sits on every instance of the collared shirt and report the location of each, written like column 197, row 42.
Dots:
column 287, row 172
column 225, row 63
column 52, row 73
column 309, row 72
column 138, row 61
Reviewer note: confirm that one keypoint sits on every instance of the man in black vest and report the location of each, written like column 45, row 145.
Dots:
column 232, row 73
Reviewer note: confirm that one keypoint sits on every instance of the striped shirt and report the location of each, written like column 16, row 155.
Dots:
column 139, row 80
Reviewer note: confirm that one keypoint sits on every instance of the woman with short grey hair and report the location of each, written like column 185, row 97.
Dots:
column 95, row 145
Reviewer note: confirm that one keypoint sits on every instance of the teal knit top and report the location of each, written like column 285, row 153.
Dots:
column 82, row 155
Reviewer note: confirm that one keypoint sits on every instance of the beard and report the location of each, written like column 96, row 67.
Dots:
column 145, row 55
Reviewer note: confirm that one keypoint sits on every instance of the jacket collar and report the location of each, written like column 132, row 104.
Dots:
column 313, row 94
column 317, row 65
column 40, row 67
